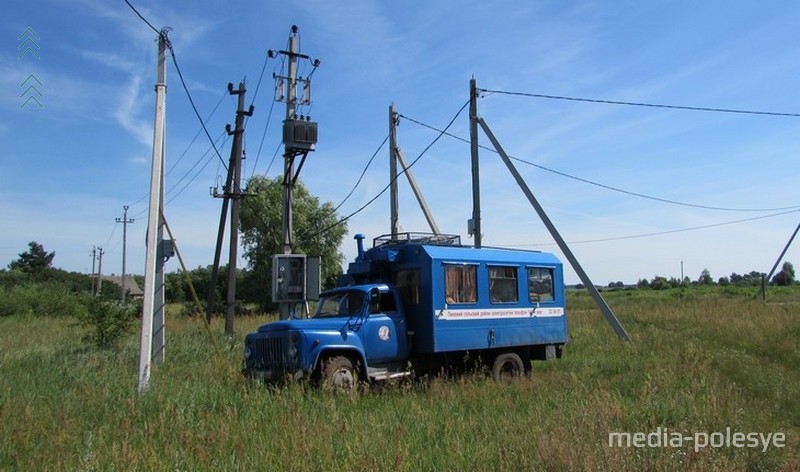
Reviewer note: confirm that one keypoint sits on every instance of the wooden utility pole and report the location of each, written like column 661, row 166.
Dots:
column 94, row 261
column 100, row 253
column 474, row 225
column 232, row 191
column 235, row 195
column 125, row 222
column 395, row 157
column 154, row 217
column 393, row 196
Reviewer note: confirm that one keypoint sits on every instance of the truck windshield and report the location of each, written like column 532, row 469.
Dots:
column 341, row 304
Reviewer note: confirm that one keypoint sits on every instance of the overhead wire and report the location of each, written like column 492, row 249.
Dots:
column 189, row 171
column 406, row 169
column 143, row 18
column 361, row 177
column 191, row 102
column 185, row 151
column 640, row 104
column 605, row 186
column 269, row 120
column 672, row 231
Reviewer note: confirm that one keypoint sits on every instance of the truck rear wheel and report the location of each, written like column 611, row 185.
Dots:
column 507, row 367
column 339, row 374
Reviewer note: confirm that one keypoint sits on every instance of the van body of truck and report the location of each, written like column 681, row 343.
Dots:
column 421, row 303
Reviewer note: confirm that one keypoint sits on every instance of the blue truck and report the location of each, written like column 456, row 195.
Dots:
column 418, row 303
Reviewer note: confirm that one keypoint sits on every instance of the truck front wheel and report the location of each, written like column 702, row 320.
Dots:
column 338, row 374
column 507, row 367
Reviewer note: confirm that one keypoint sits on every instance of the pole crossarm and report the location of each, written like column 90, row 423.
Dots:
column 598, row 298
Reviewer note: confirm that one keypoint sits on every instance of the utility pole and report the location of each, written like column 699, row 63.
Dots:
column 778, row 261
column 587, row 282
column 299, row 138
column 212, row 286
column 393, row 197
column 100, row 253
column 154, row 217
column 474, row 225
column 94, row 259
column 232, row 191
column 395, row 157
column 163, row 252
column 236, row 196
column 125, row 222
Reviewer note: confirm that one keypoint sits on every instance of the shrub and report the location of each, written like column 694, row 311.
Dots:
column 107, row 321
column 41, row 299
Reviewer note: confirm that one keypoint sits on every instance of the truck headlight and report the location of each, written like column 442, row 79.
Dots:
column 294, row 341
column 247, row 352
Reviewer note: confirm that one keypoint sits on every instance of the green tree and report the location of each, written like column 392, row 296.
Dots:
column 705, row 278
column 314, row 226
column 35, row 260
column 661, row 283
column 785, row 276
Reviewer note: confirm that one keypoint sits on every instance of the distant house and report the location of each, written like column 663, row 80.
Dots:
column 131, row 287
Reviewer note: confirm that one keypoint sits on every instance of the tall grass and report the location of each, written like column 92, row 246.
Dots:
column 699, row 362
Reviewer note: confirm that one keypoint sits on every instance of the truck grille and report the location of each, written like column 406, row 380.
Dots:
column 268, row 353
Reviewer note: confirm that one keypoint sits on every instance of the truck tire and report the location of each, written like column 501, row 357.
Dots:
column 507, row 367
column 339, row 374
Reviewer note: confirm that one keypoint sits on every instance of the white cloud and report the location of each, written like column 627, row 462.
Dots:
column 128, row 109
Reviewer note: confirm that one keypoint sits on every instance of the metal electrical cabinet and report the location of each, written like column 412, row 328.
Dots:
column 295, row 278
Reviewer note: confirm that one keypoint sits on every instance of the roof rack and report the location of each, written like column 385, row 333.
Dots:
column 430, row 239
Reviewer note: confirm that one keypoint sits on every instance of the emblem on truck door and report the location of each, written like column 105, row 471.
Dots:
column 383, row 333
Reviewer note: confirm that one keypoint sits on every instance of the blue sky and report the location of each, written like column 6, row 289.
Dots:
column 68, row 168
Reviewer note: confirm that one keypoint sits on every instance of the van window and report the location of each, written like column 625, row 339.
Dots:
column 503, row 287
column 540, row 285
column 461, row 283
column 407, row 282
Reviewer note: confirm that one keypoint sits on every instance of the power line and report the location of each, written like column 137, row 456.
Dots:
column 263, row 137
column 372, row 200
column 185, row 151
column 143, row 18
column 661, row 233
column 639, row 104
column 196, row 135
column 608, row 187
column 191, row 102
column 274, row 155
column 364, row 171
column 189, row 171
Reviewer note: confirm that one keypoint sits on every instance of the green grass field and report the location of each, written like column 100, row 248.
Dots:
column 700, row 361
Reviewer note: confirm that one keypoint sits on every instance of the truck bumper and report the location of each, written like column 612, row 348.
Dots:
column 272, row 375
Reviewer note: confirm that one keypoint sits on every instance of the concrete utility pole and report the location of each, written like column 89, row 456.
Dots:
column 125, row 222
column 288, row 155
column 299, row 138
column 154, row 217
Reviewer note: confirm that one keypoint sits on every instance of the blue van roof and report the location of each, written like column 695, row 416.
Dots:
column 489, row 255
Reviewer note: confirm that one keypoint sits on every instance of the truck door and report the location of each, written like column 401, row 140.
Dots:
column 385, row 331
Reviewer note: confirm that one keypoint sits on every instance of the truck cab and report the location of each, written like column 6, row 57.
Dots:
column 421, row 303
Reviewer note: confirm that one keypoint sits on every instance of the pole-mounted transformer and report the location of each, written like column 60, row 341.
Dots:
column 299, row 138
